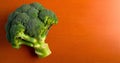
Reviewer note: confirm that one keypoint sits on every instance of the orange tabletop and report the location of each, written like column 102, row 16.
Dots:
column 88, row 32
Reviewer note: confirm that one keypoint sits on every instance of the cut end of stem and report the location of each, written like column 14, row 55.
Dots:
column 43, row 51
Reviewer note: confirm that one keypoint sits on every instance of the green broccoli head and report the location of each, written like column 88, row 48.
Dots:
column 29, row 25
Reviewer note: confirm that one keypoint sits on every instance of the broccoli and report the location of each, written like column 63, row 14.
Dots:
column 29, row 25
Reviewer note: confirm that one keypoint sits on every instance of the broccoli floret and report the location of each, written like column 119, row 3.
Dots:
column 29, row 25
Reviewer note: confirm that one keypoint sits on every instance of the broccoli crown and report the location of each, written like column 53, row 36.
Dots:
column 29, row 25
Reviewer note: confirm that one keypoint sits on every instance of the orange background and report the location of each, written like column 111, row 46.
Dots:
column 88, row 32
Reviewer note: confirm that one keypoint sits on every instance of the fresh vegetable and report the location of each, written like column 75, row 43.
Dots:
column 29, row 25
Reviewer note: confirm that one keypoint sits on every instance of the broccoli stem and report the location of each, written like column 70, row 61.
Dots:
column 27, row 38
column 17, row 43
column 41, row 48
column 25, row 43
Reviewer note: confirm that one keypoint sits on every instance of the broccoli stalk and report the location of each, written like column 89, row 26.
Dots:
column 41, row 48
column 29, row 25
